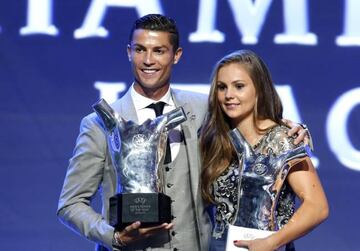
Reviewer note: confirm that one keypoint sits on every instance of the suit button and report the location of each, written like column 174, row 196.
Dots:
column 169, row 185
column 175, row 249
column 167, row 169
column 173, row 233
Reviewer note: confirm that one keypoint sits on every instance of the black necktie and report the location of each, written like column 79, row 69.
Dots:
column 158, row 108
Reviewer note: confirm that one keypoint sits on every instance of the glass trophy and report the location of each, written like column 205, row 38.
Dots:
column 137, row 153
column 261, row 178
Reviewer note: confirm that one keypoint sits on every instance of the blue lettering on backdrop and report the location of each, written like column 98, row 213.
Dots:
column 59, row 57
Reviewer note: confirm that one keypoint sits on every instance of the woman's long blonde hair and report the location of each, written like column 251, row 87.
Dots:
column 216, row 149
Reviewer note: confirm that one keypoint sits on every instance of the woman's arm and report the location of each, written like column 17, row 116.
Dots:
column 314, row 208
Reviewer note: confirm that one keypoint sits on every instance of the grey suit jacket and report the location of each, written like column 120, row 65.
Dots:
column 90, row 170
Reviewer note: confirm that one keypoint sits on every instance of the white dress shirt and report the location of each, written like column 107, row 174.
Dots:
column 143, row 113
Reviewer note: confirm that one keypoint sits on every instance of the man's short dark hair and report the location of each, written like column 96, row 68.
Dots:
column 157, row 22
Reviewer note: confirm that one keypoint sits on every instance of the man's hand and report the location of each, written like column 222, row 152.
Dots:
column 134, row 232
column 301, row 131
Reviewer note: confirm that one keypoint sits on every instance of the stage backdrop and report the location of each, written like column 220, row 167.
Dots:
column 58, row 57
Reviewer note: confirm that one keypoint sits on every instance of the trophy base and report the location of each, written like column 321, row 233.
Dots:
column 149, row 208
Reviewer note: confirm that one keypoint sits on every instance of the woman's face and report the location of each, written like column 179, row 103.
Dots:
column 236, row 92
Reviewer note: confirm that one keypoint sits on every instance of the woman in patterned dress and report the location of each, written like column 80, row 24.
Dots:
column 243, row 96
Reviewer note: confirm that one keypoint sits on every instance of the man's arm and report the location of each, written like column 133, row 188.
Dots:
column 82, row 180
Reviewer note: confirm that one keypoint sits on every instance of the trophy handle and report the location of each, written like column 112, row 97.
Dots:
column 169, row 120
column 299, row 152
column 240, row 144
column 175, row 118
column 106, row 114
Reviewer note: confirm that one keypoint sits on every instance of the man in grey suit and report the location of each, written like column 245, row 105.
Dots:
column 152, row 50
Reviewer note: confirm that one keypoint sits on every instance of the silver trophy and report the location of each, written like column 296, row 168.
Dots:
column 261, row 179
column 137, row 152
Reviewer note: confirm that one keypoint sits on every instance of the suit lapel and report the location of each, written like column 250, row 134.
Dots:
column 125, row 107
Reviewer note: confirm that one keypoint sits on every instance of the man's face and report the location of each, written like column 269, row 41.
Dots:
column 152, row 57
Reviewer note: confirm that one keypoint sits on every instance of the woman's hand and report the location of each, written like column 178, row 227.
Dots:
column 263, row 244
